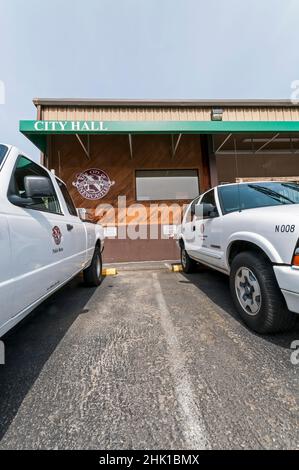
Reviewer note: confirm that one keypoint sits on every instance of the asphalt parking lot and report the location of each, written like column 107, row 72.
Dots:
column 150, row 360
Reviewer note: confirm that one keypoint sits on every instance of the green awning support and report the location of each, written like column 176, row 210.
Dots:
column 37, row 131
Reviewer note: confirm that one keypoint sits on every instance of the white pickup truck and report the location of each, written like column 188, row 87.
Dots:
column 249, row 231
column 43, row 241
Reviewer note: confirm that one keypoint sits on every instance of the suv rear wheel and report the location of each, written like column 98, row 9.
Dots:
column 257, row 295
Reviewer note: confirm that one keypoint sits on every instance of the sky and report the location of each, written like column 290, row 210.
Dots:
column 216, row 49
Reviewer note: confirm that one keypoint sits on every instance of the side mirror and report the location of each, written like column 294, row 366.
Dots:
column 37, row 187
column 205, row 210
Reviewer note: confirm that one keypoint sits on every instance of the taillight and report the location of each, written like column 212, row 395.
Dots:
column 295, row 261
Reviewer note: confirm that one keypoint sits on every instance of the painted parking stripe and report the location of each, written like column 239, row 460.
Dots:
column 193, row 426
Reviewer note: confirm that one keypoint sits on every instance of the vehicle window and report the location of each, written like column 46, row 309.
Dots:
column 26, row 167
column 67, row 197
column 3, row 150
column 209, row 198
column 164, row 185
column 192, row 209
column 254, row 195
column 229, row 198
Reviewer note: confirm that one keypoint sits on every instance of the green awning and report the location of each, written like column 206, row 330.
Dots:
column 37, row 131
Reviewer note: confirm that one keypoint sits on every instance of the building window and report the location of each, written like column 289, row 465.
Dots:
column 166, row 185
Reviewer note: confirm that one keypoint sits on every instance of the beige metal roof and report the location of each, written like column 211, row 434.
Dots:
column 165, row 110
column 159, row 103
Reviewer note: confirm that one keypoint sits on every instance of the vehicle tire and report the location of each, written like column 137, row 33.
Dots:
column 188, row 264
column 257, row 296
column 93, row 274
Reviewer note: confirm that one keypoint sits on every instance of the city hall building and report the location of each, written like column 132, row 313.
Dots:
column 139, row 163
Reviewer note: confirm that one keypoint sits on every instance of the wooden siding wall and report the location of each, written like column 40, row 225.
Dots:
column 112, row 154
column 261, row 166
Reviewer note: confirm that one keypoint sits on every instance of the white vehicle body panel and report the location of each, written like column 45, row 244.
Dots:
column 33, row 266
column 273, row 229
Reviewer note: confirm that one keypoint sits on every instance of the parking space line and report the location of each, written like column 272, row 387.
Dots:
column 193, row 426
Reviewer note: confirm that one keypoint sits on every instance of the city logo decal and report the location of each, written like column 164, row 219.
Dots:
column 57, row 235
column 93, row 184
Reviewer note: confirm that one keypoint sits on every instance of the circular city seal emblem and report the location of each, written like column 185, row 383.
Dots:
column 93, row 184
column 57, row 235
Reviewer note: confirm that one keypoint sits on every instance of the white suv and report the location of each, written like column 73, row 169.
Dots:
column 249, row 231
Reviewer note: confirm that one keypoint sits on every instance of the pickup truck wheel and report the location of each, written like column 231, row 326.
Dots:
column 93, row 274
column 257, row 295
column 188, row 264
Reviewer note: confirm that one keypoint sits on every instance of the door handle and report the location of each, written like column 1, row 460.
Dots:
column 193, row 228
column 69, row 227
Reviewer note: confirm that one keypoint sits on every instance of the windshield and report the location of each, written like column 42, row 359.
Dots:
column 3, row 150
column 253, row 195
